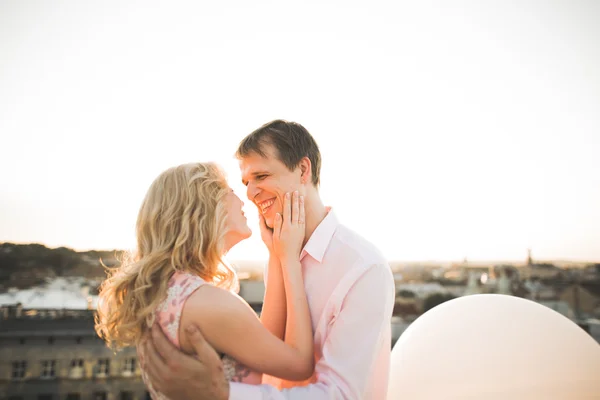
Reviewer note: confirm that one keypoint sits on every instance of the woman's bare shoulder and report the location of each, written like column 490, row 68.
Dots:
column 210, row 299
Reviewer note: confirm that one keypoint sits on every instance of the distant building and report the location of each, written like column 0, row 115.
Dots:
column 399, row 325
column 581, row 300
column 73, row 293
column 421, row 289
column 540, row 291
column 56, row 354
column 462, row 272
column 591, row 273
column 540, row 271
column 562, row 307
column 473, row 284
column 594, row 329
column 253, row 291
column 398, row 277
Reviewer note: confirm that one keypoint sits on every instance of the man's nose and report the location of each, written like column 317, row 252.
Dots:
column 252, row 191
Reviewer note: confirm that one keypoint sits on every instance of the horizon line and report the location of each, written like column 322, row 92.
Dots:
column 391, row 260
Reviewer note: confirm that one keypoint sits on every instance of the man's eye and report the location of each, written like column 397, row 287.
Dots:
column 260, row 177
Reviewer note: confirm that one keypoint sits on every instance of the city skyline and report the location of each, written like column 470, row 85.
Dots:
column 445, row 132
column 395, row 262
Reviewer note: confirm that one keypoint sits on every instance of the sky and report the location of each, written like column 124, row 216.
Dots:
column 447, row 131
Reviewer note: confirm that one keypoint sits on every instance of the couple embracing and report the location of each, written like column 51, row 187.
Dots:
column 324, row 330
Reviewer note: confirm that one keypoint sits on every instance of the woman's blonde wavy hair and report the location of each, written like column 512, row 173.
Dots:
column 181, row 226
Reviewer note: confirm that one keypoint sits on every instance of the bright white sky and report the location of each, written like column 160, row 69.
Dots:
column 447, row 131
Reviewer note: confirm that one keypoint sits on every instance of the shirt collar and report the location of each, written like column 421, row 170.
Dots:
column 319, row 240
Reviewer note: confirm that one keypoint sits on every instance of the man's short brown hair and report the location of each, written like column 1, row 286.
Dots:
column 291, row 141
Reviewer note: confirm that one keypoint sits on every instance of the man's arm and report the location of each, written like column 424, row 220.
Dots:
column 353, row 343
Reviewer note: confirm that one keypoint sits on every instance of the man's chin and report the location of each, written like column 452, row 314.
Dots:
column 269, row 223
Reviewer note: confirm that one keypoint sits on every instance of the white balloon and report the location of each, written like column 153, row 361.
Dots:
column 491, row 346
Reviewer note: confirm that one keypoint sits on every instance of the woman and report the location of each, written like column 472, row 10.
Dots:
column 188, row 221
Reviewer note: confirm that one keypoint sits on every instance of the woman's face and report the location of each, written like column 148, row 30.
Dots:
column 237, row 225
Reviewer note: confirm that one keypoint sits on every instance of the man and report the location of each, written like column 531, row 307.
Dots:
column 349, row 286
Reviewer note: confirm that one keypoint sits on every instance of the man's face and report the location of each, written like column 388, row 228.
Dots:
column 267, row 180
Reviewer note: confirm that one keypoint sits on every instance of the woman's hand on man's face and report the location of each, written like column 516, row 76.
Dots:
column 289, row 229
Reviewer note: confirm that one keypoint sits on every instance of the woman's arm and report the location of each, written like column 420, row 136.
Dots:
column 298, row 325
column 289, row 230
column 230, row 326
column 274, row 313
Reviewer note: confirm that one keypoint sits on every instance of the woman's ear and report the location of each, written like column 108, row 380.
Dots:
column 305, row 170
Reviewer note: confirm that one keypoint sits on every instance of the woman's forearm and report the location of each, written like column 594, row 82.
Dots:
column 273, row 315
column 298, row 327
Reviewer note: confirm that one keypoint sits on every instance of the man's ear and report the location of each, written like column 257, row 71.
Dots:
column 305, row 170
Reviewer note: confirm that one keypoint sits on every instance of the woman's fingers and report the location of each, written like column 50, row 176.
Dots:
column 277, row 227
column 295, row 208
column 301, row 212
column 287, row 208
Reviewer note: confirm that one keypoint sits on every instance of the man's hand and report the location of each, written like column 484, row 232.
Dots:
column 179, row 376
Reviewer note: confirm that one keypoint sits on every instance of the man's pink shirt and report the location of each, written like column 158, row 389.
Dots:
column 350, row 290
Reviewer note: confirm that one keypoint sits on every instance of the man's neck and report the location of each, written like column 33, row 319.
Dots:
column 315, row 212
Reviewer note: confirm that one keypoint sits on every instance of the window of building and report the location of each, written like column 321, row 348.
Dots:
column 128, row 366
column 18, row 369
column 50, row 340
column 22, row 341
column 103, row 367
column 78, row 340
column 44, row 397
column 126, row 396
column 77, row 370
column 73, row 396
column 99, row 395
column 48, row 369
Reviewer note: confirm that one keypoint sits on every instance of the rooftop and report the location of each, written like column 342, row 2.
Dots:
column 19, row 322
column 68, row 293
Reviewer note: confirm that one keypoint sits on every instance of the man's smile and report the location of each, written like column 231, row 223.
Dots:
column 265, row 205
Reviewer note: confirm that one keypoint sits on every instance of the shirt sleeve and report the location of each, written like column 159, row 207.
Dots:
column 358, row 331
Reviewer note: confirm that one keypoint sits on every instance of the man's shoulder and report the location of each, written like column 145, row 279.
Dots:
column 365, row 263
column 351, row 240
